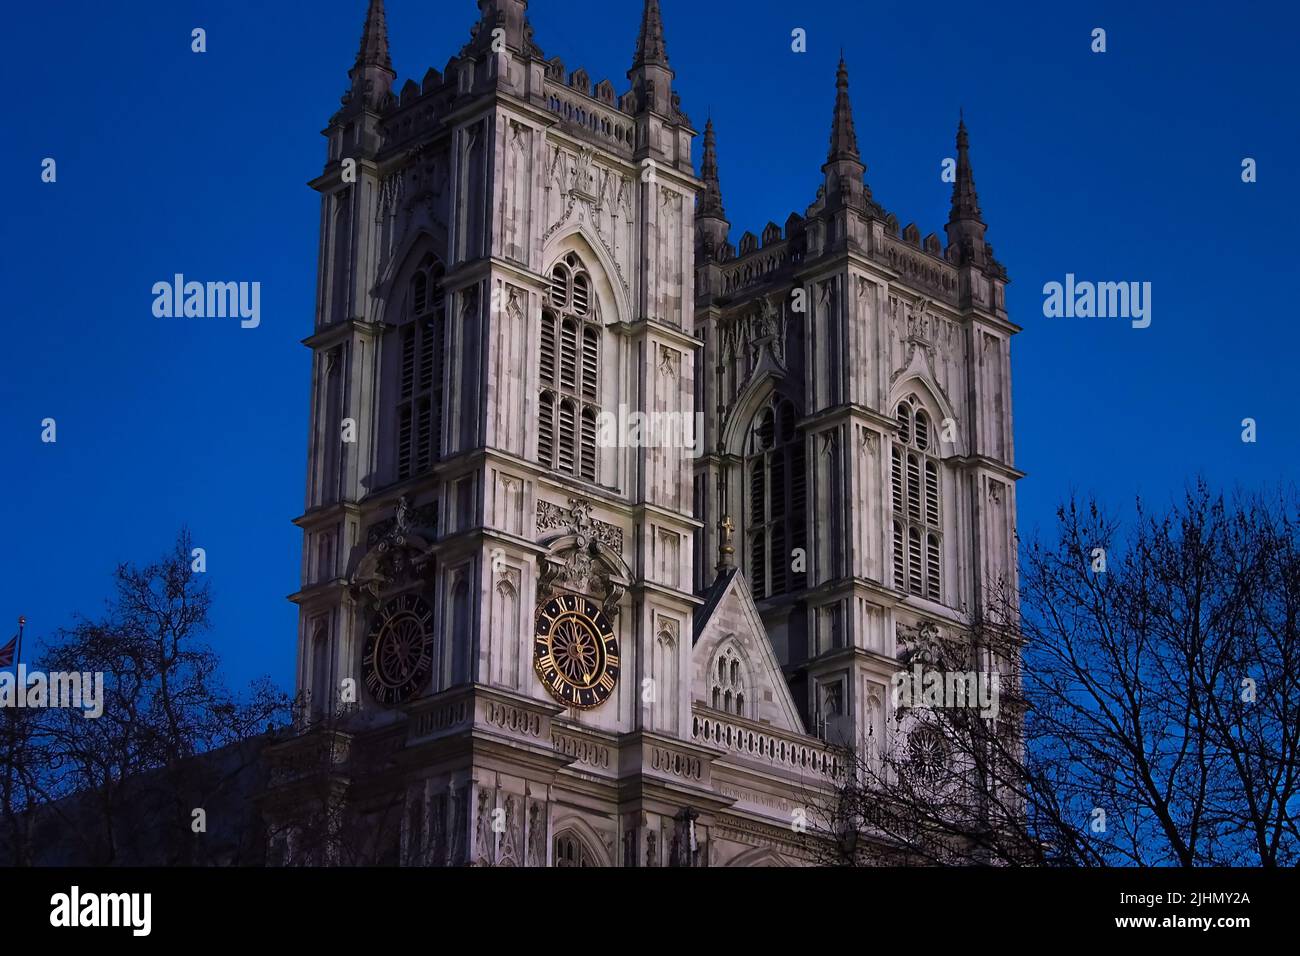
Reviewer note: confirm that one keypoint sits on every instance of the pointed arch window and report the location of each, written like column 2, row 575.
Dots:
column 777, row 496
column 570, row 850
column 420, row 358
column 729, row 683
column 916, row 497
column 568, row 406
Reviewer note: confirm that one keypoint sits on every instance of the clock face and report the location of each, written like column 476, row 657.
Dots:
column 398, row 656
column 575, row 651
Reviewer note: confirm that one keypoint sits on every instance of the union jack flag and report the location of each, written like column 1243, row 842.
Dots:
column 7, row 653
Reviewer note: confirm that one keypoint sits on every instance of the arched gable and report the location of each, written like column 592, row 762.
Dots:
column 733, row 620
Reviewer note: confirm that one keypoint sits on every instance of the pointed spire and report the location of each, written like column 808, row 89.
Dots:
column 373, row 76
column 651, row 76
column 965, row 203
column 844, row 169
column 374, row 39
column 966, row 227
column 711, row 199
column 844, row 139
column 650, row 46
column 711, row 225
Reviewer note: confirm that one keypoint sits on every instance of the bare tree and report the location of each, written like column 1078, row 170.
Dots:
column 1156, row 720
column 952, row 784
column 19, row 790
column 126, row 784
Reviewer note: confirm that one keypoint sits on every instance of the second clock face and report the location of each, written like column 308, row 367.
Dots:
column 398, row 656
column 575, row 651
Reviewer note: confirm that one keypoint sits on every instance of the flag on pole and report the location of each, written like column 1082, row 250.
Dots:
column 14, row 648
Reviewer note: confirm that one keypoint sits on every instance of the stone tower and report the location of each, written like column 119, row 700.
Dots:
column 545, row 617
column 858, row 428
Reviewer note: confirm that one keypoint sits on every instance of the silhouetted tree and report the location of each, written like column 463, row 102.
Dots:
column 124, row 785
column 1156, row 720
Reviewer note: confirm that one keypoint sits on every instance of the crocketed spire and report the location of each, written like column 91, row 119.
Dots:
column 374, row 39
column 651, row 76
column 965, row 226
column 844, row 139
column 711, row 199
column 965, row 203
column 372, row 75
column 844, row 168
column 650, row 46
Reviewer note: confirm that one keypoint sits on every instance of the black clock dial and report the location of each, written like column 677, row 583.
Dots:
column 398, row 655
column 575, row 651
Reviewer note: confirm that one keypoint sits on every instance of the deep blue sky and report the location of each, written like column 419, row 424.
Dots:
column 1122, row 166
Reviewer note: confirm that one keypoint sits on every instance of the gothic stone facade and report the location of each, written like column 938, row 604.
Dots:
column 509, row 254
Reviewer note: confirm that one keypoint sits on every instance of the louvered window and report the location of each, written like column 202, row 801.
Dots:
column 546, row 427
column 405, row 415
column 590, row 363
column 798, row 511
column 569, row 373
column 916, row 494
column 581, row 294
column 408, row 361
column 897, row 458
column 566, row 457
column 560, row 286
column 588, row 441
column 921, row 431
column 913, row 488
column 900, row 550
column 758, row 565
column 568, row 353
column 547, row 361
column 776, row 513
column 931, row 493
column 914, row 560
column 932, row 567
column 421, row 355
